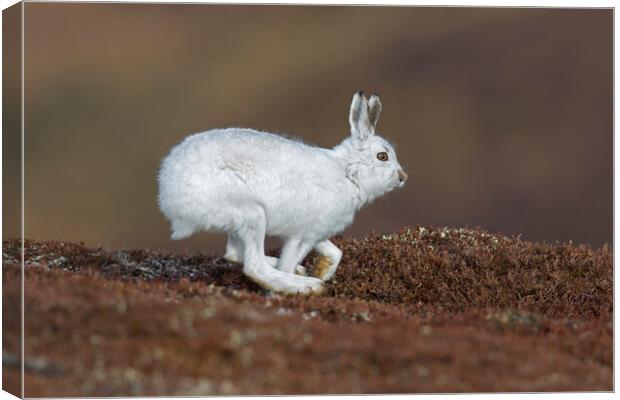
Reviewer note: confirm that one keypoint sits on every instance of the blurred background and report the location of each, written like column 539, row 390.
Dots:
column 502, row 117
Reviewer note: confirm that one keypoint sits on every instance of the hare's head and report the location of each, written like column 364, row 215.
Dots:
column 371, row 160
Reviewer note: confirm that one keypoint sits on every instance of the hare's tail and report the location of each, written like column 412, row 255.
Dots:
column 181, row 230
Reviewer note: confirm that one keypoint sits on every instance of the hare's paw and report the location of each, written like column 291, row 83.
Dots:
column 309, row 286
column 329, row 261
column 233, row 256
column 234, row 250
column 232, row 259
column 325, row 268
column 294, row 285
column 301, row 270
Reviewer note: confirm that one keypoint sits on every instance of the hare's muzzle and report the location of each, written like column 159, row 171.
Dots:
column 402, row 176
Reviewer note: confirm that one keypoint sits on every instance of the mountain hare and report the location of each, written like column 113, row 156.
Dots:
column 250, row 184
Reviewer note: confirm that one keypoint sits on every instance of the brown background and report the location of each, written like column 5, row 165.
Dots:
column 502, row 117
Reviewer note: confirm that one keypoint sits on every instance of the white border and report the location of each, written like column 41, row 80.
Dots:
column 453, row 3
column 545, row 3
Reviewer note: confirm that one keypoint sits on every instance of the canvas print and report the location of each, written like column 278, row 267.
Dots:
column 220, row 199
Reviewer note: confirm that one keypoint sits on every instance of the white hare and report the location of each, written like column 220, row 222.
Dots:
column 250, row 184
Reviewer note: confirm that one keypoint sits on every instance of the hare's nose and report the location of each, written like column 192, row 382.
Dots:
column 402, row 176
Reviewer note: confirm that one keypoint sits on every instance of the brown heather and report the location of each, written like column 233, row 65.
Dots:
column 421, row 310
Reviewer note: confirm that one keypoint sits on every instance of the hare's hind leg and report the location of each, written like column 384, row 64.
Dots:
column 234, row 249
column 330, row 258
column 255, row 266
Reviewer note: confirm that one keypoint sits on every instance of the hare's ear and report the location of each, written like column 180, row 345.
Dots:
column 374, row 110
column 361, row 128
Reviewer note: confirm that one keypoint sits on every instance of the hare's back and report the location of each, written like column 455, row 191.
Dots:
column 237, row 157
column 243, row 145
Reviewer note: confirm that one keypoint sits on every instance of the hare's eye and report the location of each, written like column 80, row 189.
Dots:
column 383, row 156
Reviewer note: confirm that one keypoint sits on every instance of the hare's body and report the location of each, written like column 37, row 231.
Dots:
column 209, row 179
column 250, row 184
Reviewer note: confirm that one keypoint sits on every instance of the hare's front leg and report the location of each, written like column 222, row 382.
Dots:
column 299, row 269
column 252, row 237
column 234, row 254
column 330, row 258
column 293, row 252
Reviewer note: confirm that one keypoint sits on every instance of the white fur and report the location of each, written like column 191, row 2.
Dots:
column 250, row 184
